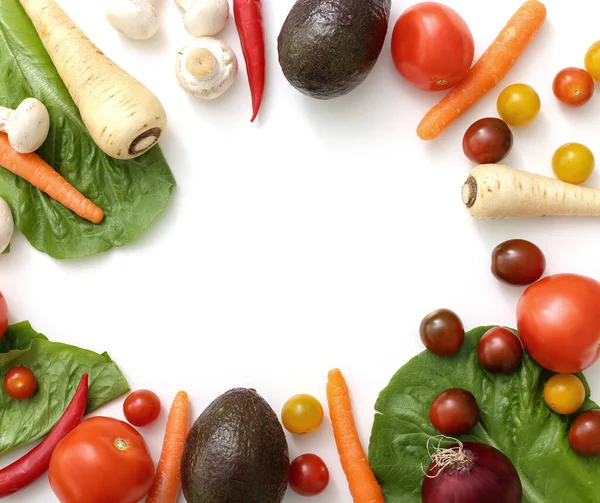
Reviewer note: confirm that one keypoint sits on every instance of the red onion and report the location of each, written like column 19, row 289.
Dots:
column 470, row 472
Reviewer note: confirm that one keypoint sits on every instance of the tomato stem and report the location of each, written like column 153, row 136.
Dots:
column 121, row 444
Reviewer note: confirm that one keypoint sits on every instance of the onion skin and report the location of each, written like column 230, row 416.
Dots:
column 488, row 477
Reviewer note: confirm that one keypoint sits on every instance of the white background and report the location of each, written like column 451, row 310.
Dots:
column 317, row 237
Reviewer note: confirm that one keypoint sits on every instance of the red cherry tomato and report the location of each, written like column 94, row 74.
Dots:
column 3, row 315
column 499, row 351
column 558, row 322
column 454, row 412
column 584, row 435
column 442, row 332
column 432, row 46
column 20, row 383
column 308, row 475
column 141, row 407
column 573, row 87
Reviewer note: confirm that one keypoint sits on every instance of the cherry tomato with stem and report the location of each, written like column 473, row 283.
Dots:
column 442, row 332
column 573, row 87
column 518, row 105
column 432, row 46
column 302, row 414
column 518, row 262
column 141, row 407
column 584, row 434
column 487, row 141
column 20, row 383
column 308, row 475
column 454, row 412
column 592, row 60
column 564, row 393
column 573, row 163
column 500, row 351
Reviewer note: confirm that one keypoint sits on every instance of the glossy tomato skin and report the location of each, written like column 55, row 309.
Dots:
column 500, row 351
column 432, row 46
column 584, row 435
column 302, row 414
column 564, row 393
column 487, row 141
column 102, row 460
column 309, row 475
column 442, row 332
column 3, row 315
column 573, row 87
column 141, row 407
column 20, row 383
column 559, row 324
column 518, row 262
column 454, row 412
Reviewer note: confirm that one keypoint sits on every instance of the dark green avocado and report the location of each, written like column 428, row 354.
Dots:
column 328, row 47
column 236, row 452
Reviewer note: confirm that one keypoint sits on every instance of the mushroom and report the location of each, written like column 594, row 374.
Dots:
column 7, row 226
column 27, row 126
column 206, row 67
column 204, row 18
column 136, row 19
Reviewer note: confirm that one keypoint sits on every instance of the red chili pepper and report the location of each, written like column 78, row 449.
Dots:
column 249, row 23
column 35, row 463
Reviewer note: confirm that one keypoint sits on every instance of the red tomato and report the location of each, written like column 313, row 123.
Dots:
column 3, row 315
column 432, row 46
column 573, row 87
column 141, row 407
column 102, row 460
column 308, row 475
column 558, row 322
column 20, row 383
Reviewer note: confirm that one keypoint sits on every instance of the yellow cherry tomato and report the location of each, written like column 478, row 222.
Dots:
column 592, row 61
column 518, row 104
column 302, row 414
column 573, row 163
column 564, row 393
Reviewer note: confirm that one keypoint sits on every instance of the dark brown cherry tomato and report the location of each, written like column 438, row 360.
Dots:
column 442, row 332
column 500, row 351
column 20, row 383
column 487, row 141
column 518, row 262
column 309, row 475
column 584, row 435
column 454, row 412
column 573, row 87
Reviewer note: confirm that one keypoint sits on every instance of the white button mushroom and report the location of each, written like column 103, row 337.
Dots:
column 136, row 19
column 7, row 226
column 204, row 18
column 206, row 67
column 27, row 126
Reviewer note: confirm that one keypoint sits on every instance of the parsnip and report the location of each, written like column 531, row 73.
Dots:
column 494, row 191
column 122, row 116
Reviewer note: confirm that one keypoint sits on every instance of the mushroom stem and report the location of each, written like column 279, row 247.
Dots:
column 201, row 63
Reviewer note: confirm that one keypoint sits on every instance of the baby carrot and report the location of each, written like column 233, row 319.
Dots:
column 33, row 168
column 491, row 68
column 361, row 480
column 167, row 480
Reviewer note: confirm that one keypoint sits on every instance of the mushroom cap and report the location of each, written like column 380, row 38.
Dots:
column 206, row 18
column 7, row 225
column 184, row 4
column 136, row 19
column 213, row 56
column 29, row 126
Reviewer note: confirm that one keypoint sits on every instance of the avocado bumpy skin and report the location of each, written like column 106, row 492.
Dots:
column 236, row 452
column 328, row 47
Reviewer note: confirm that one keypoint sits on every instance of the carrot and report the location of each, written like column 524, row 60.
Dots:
column 494, row 191
column 167, row 480
column 491, row 68
column 361, row 480
column 33, row 168
column 122, row 116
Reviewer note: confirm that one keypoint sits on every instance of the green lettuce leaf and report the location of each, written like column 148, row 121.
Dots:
column 131, row 193
column 514, row 419
column 58, row 369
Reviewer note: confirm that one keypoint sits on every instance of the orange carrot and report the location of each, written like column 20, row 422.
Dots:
column 491, row 68
column 361, row 480
column 37, row 172
column 167, row 480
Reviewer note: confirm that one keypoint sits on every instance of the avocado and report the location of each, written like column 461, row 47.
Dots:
column 328, row 47
column 235, row 452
